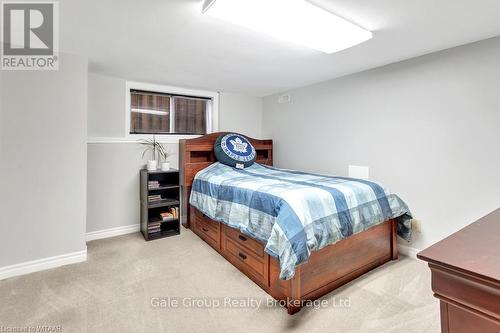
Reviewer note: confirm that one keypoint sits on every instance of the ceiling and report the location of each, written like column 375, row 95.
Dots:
column 171, row 42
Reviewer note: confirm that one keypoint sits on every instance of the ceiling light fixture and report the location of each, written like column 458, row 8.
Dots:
column 296, row 21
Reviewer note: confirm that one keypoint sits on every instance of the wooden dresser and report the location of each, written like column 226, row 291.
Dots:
column 465, row 270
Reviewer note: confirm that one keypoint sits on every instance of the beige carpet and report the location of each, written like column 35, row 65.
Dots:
column 112, row 292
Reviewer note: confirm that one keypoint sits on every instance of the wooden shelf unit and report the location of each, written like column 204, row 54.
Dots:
column 170, row 191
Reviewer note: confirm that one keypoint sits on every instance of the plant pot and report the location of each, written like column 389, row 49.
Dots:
column 152, row 165
column 165, row 166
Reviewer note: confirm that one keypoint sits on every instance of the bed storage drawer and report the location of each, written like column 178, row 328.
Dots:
column 209, row 234
column 245, row 260
column 207, row 229
column 247, row 242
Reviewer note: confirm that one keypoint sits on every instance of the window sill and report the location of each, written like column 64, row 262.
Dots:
column 171, row 138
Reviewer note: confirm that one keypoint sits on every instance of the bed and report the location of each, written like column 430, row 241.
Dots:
column 294, row 269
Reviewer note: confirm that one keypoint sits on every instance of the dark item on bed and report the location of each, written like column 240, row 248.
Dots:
column 197, row 154
column 326, row 269
column 234, row 150
column 465, row 268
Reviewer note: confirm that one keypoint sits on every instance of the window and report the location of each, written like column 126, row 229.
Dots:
column 168, row 110
column 149, row 113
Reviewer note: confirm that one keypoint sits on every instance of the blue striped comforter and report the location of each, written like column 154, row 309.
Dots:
column 294, row 212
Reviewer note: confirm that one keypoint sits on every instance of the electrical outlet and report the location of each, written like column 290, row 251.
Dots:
column 416, row 225
column 361, row 172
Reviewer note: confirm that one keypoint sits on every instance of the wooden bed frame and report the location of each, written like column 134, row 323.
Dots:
column 326, row 269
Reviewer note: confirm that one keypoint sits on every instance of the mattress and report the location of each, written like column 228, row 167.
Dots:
column 292, row 212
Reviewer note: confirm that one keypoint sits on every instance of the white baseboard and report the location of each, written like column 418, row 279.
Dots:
column 408, row 251
column 112, row 232
column 42, row 264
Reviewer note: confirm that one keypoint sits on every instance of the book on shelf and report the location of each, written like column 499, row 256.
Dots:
column 154, row 198
column 154, row 227
column 175, row 212
column 152, row 184
column 171, row 214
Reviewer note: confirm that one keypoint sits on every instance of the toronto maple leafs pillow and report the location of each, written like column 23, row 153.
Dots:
column 234, row 150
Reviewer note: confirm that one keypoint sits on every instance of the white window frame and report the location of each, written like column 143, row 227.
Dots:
column 212, row 113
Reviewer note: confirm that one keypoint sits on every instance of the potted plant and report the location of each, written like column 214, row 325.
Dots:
column 165, row 155
column 154, row 147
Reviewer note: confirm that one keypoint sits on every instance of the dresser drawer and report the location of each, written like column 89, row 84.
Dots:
column 249, row 243
column 245, row 260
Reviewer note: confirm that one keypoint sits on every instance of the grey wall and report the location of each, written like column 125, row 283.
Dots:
column 106, row 106
column 43, row 161
column 428, row 128
column 113, row 167
column 113, row 184
column 241, row 114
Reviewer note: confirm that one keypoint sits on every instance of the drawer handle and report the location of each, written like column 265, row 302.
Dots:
column 204, row 229
column 242, row 256
column 243, row 238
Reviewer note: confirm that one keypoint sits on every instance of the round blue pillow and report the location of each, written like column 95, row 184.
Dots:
column 234, row 150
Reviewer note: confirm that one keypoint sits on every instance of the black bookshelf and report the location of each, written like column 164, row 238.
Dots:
column 153, row 226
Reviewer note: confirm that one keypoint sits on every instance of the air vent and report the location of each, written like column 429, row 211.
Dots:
column 283, row 99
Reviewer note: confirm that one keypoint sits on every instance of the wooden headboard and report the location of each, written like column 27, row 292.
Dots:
column 196, row 154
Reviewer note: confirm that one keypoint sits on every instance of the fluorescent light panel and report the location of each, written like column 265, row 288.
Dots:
column 296, row 21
